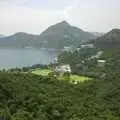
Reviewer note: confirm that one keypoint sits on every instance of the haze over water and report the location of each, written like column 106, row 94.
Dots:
column 12, row 58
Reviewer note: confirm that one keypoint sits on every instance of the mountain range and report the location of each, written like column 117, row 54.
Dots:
column 56, row 36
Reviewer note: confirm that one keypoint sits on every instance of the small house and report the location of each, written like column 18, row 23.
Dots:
column 63, row 69
column 66, row 48
column 87, row 46
column 101, row 63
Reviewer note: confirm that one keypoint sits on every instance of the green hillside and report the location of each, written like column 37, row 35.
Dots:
column 63, row 34
column 30, row 97
column 18, row 40
column 84, row 62
column 110, row 40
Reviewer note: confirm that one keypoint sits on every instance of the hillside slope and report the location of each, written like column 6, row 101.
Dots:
column 28, row 97
column 110, row 40
column 18, row 40
column 56, row 36
column 63, row 34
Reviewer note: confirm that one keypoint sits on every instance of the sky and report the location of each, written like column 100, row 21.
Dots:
column 34, row 16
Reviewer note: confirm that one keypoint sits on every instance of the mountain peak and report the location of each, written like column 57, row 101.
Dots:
column 110, row 40
column 20, row 33
column 114, row 33
column 2, row 36
column 116, row 30
column 64, row 23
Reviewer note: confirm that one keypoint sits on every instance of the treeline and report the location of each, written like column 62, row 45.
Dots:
column 28, row 68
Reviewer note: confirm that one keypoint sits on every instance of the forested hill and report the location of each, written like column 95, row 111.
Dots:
column 18, row 40
column 85, row 60
column 30, row 97
column 56, row 36
column 63, row 34
column 110, row 40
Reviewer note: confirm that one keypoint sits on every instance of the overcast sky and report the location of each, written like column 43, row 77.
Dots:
column 34, row 16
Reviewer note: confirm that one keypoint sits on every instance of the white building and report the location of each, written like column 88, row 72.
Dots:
column 78, row 49
column 55, row 61
column 71, row 48
column 87, row 46
column 96, row 56
column 101, row 63
column 66, row 48
column 63, row 69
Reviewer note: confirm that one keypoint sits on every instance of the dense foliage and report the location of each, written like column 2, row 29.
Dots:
column 30, row 97
column 29, row 68
column 27, row 97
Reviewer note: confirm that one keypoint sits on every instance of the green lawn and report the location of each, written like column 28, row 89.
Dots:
column 77, row 78
column 43, row 72
column 73, row 78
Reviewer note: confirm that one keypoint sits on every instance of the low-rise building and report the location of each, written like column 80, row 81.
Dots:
column 87, row 46
column 66, row 48
column 101, row 63
column 63, row 69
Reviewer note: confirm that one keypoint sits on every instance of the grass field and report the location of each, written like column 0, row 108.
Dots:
column 77, row 78
column 43, row 72
column 73, row 78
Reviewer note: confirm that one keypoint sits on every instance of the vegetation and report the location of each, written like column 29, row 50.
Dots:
column 75, row 79
column 69, row 77
column 43, row 72
column 110, row 41
column 80, row 62
column 26, row 96
column 31, row 97
column 79, row 78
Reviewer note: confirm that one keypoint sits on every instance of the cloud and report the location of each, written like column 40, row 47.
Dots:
column 17, row 15
column 68, row 8
column 25, row 19
column 14, row 1
column 89, row 18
